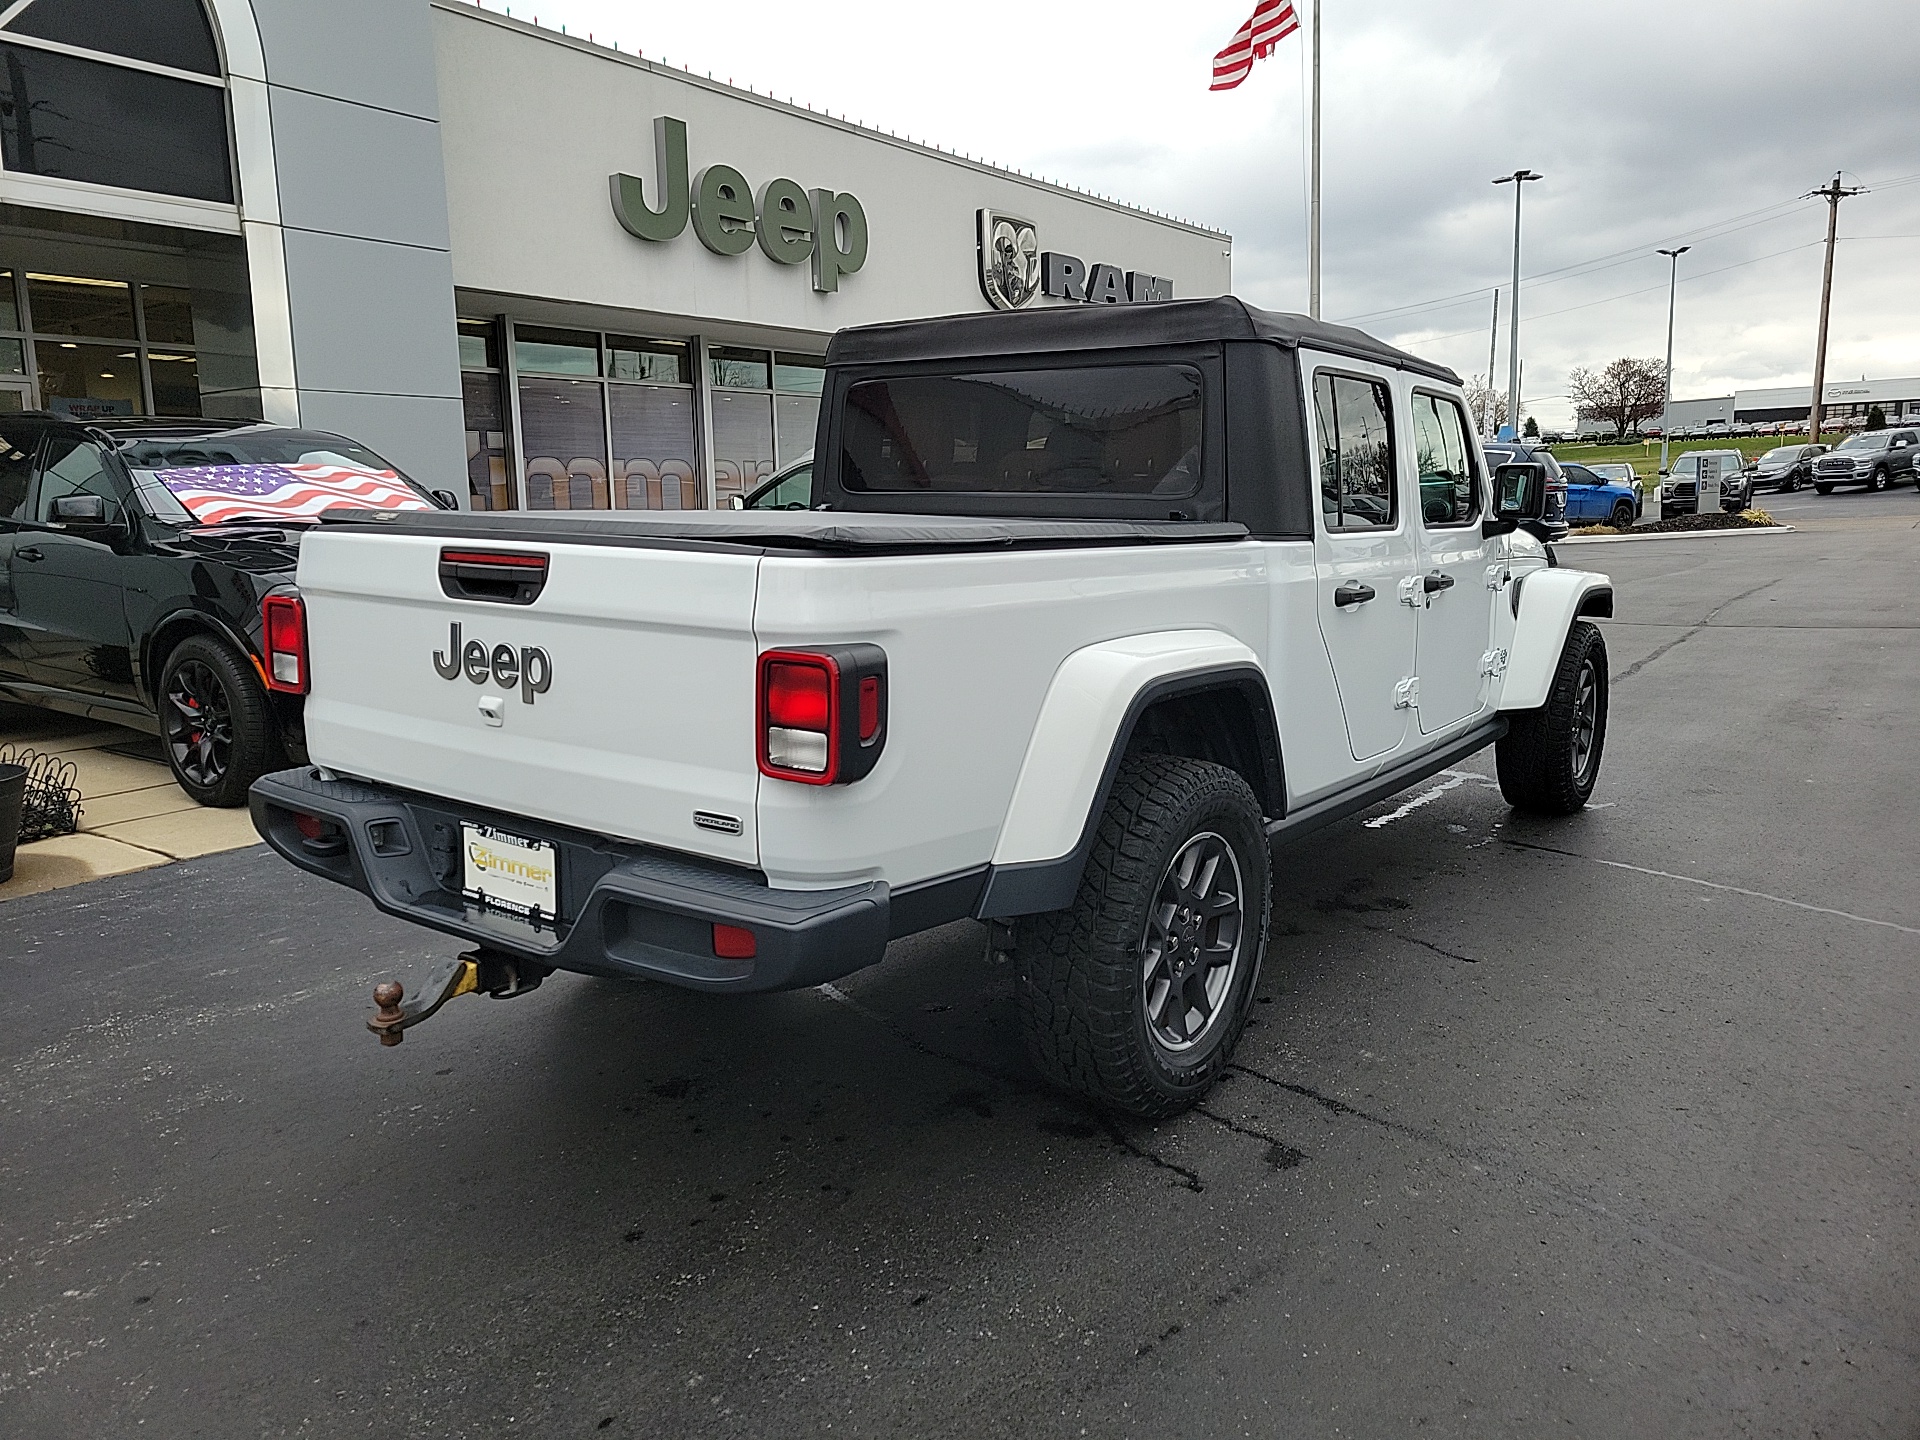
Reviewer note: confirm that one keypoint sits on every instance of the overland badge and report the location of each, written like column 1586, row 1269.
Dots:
column 1009, row 260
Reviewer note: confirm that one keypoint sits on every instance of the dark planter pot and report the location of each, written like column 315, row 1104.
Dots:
column 13, row 794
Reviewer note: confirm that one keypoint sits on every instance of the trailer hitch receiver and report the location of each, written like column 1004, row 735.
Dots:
column 501, row 976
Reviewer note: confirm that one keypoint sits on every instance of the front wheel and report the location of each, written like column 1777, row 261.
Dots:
column 1877, row 481
column 1135, row 996
column 1549, row 758
column 1623, row 515
column 214, row 722
column 1792, row 483
column 1822, row 488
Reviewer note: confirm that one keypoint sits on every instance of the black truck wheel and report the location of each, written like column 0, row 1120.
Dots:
column 1550, row 757
column 1821, row 487
column 1135, row 996
column 214, row 721
column 1623, row 515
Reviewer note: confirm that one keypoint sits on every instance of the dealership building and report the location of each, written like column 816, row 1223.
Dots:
column 1848, row 404
column 536, row 271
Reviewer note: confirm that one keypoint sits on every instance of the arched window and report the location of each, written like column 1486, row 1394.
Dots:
column 126, row 93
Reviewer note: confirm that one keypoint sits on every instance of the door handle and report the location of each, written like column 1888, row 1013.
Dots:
column 1352, row 593
column 30, row 552
column 1438, row 580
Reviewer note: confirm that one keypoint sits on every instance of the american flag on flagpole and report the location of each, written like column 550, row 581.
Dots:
column 213, row 493
column 1272, row 22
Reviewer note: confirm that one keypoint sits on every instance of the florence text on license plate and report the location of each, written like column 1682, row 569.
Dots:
column 509, row 873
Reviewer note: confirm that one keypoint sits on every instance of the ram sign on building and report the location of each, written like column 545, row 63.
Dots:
column 613, row 291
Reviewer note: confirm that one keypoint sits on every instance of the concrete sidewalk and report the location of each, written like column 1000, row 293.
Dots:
column 132, row 814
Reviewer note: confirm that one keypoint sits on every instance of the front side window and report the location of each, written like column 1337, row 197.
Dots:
column 1116, row 430
column 1448, row 493
column 74, row 467
column 1356, row 452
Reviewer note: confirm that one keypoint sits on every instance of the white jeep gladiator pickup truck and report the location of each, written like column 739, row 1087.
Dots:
column 1091, row 608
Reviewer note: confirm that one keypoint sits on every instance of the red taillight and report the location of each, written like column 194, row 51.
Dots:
column 799, row 694
column 285, row 625
column 733, row 942
column 822, row 714
column 311, row 826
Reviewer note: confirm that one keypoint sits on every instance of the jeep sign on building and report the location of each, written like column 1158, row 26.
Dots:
column 609, row 288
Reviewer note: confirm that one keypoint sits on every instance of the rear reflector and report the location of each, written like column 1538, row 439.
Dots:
column 284, row 627
column 733, row 942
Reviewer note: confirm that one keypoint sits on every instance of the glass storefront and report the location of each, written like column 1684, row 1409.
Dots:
column 612, row 422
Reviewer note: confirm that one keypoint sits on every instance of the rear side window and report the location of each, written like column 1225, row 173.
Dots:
column 1119, row 430
column 1448, row 492
column 1356, row 452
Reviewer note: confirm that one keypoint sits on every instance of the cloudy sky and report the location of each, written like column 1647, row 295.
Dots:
column 1654, row 124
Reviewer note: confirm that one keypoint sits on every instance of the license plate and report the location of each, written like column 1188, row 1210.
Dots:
column 506, row 872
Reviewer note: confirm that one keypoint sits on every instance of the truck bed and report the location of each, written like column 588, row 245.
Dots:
column 773, row 531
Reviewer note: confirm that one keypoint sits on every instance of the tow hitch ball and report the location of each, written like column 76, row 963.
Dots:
column 501, row 976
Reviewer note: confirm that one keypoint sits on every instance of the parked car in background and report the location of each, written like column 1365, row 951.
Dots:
column 1873, row 458
column 1787, row 467
column 1520, row 452
column 1593, row 499
column 1702, row 479
column 134, row 559
column 791, row 489
column 1617, row 472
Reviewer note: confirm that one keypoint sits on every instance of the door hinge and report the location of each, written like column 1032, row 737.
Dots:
column 1498, row 576
column 1406, row 695
column 1494, row 662
column 1412, row 591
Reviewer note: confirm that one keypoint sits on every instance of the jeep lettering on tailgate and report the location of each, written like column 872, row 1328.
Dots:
column 530, row 667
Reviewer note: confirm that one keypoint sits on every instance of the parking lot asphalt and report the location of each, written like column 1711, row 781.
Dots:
column 1600, row 1127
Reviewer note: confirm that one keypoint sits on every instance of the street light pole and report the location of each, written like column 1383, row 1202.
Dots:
column 1518, row 180
column 1833, row 194
column 1493, row 349
column 1666, row 406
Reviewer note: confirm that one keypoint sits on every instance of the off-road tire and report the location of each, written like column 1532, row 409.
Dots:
column 1082, row 991
column 1822, row 488
column 1877, row 481
column 1622, row 518
column 251, row 748
column 1541, row 770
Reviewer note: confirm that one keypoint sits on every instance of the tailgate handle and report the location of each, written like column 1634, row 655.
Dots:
column 504, row 577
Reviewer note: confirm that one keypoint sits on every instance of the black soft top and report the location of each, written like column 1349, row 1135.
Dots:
column 1056, row 328
column 819, row 531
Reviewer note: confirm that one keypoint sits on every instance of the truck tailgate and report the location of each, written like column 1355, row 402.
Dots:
column 640, row 717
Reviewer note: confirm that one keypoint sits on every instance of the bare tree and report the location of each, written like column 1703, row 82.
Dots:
column 1481, row 397
column 1625, row 393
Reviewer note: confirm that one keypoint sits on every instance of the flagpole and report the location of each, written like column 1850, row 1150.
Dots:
column 1313, row 229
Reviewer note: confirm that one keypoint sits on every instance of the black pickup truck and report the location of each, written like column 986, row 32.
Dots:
column 134, row 559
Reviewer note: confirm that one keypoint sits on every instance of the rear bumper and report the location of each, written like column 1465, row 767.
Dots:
column 626, row 910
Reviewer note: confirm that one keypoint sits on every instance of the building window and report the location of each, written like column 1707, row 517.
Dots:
column 607, row 421
column 71, row 107
column 96, row 347
column 765, row 407
column 483, row 403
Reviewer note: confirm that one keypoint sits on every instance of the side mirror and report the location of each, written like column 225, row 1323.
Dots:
column 80, row 510
column 446, row 499
column 1520, row 492
column 736, row 502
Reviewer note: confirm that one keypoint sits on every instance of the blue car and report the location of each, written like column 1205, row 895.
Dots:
column 1595, row 500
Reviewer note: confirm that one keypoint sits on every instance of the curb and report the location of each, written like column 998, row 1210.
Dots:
column 1677, row 535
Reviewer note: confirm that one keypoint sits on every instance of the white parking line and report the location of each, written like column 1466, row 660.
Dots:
column 1425, row 797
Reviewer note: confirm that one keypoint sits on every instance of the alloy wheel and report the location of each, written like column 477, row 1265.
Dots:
column 1586, row 721
column 1195, row 938
column 199, row 723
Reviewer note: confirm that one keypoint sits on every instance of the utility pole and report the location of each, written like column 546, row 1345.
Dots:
column 1833, row 194
column 1518, row 180
column 1314, row 204
column 1666, row 406
column 1493, row 348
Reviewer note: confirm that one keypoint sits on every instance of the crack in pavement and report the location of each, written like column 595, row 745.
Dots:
column 1641, row 664
column 1714, row 885
column 1501, row 1162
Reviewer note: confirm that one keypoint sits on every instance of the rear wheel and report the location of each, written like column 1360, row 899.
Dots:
column 1135, row 996
column 215, row 722
column 1549, row 758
